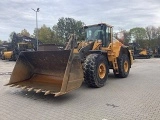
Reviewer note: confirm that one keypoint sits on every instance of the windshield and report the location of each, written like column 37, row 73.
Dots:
column 94, row 33
column 23, row 46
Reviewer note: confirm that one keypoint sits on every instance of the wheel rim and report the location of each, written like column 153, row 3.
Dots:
column 126, row 66
column 102, row 70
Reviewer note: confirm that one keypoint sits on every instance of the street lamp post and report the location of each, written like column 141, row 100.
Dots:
column 36, row 26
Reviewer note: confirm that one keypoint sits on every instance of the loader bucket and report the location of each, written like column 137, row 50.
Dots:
column 51, row 72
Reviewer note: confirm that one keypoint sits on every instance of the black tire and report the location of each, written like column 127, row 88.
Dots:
column 12, row 58
column 3, row 58
column 122, row 61
column 148, row 57
column 133, row 58
column 92, row 66
column 16, row 57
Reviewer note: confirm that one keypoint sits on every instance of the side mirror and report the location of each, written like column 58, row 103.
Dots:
column 82, row 31
column 82, row 34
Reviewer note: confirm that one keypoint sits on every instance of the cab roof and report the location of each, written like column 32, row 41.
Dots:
column 99, row 24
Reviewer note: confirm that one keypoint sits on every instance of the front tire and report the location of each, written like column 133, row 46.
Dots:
column 96, row 70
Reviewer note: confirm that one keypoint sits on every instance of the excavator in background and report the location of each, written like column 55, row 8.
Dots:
column 61, row 71
column 18, row 44
column 2, row 48
column 157, row 52
column 140, row 53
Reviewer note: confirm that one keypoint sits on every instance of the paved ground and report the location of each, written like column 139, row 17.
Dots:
column 134, row 98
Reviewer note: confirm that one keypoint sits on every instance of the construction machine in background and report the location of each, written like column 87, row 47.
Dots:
column 18, row 44
column 143, row 53
column 2, row 49
column 13, row 53
column 61, row 71
column 157, row 52
column 140, row 53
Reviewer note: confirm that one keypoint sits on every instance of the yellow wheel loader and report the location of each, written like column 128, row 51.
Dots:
column 13, row 54
column 61, row 71
column 140, row 53
column 18, row 44
column 6, row 55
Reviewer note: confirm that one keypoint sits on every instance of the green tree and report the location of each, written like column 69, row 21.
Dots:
column 67, row 26
column 127, row 37
column 158, row 36
column 139, row 35
column 24, row 32
column 153, row 34
column 0, row 41
column 11, row 36
column 45, row 34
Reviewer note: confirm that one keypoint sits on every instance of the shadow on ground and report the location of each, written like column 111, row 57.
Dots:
column 60, row 99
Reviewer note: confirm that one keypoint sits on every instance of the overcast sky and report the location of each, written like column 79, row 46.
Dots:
column 16, row 15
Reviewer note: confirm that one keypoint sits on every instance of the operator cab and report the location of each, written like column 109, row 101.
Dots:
column 99, row 32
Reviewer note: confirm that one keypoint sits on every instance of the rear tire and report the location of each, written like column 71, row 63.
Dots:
column 12, row 58
column 95, row 70
column 123, row 66
column 3, row 58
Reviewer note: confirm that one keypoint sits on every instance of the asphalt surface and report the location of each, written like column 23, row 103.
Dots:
column 133, row 98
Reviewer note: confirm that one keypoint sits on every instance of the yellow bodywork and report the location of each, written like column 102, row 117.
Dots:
column 58, row 72
column 113, row 50
column 8, row 54
column 143, row 52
